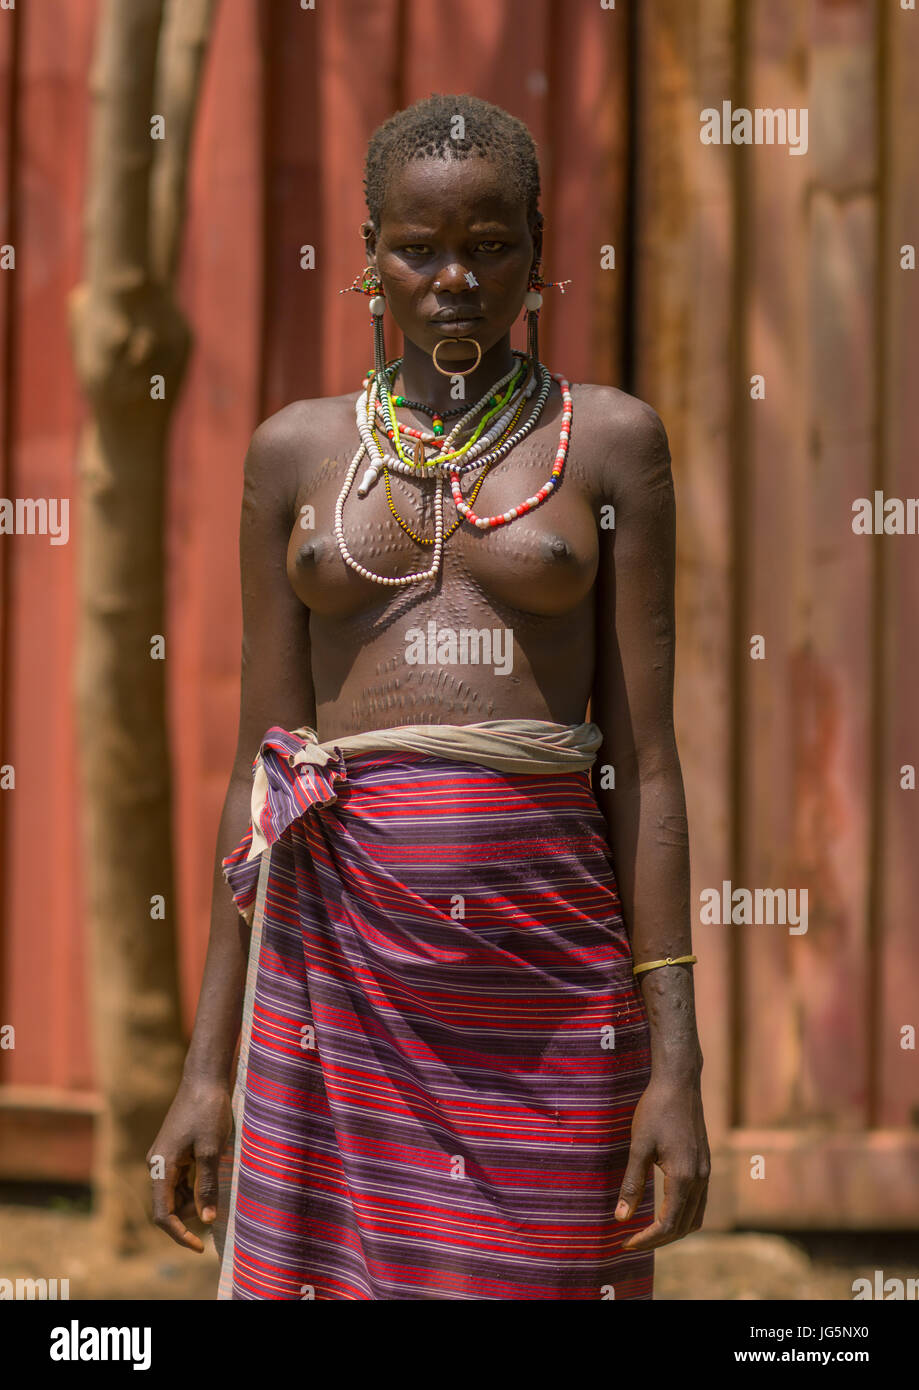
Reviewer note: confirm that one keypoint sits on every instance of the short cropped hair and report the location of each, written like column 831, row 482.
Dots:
column 424, row 130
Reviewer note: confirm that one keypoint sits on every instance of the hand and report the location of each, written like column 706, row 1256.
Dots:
column 195, row 1131
column 668, row 1128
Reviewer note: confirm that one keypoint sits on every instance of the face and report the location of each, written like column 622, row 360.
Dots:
column 453, row 223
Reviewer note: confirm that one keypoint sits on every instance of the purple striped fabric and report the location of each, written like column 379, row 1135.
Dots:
column 444, row 1043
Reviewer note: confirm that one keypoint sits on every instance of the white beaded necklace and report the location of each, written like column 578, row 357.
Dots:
column 478, row 455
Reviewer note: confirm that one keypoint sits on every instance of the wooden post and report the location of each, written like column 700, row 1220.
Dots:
column 130, row 345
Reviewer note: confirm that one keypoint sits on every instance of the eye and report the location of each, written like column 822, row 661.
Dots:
column 490, row 247
column 415, row 249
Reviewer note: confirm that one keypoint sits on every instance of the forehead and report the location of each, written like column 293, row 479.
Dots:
column 436, row 191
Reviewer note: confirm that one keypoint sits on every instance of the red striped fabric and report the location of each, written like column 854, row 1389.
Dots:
column 446, row 1043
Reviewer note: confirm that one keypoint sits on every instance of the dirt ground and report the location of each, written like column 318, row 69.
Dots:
column 53, row 1238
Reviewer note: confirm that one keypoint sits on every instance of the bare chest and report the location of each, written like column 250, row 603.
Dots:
column 543, row 563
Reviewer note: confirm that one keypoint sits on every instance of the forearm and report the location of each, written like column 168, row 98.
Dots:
column 219, row 1013
column 648, row 835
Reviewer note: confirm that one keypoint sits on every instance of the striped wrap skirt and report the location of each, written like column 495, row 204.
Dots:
column 442, row 1042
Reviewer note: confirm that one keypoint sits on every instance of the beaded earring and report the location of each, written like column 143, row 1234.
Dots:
column 532, row 303
column 367, row 281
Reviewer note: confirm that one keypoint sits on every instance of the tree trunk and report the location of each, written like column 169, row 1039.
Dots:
column 127, row 333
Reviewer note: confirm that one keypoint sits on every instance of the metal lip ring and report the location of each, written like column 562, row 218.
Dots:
column 456, row 372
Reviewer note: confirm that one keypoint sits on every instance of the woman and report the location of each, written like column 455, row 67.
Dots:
column 451, row 1084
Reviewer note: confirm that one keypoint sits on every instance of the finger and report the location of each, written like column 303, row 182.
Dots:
column 164, row 1213
column 695, row 1208
column 184, row 1199
column 687, row 1218
column 179, row 1232
column 698, row 1215
column 185, row 1206
column 687, row 1199
column 633, row 1183
column 677, row 1192
column 688, row 1213
column 648, row 1238
column 206, row 1165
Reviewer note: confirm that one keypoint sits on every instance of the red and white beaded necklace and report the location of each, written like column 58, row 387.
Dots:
column 366, row 410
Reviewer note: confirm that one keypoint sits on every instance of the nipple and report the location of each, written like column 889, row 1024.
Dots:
column 309, row 550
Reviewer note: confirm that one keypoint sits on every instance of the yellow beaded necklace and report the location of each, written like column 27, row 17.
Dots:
column 425, row 540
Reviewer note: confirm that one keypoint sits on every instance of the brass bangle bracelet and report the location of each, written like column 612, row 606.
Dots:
column 670, row 960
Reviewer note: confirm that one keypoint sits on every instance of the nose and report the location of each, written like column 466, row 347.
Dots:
column 452, row 279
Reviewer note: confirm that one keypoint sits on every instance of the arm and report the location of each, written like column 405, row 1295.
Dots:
column 632, row 702
column 276, row 688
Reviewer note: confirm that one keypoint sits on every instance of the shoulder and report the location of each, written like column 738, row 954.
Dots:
column 284, row 445
column 294, row 426
column 628, row 440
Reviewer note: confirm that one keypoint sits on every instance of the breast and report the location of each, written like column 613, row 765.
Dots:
column 543, row 566
column 543, row 563
column 534, row 569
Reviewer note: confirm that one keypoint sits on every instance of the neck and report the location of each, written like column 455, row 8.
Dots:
column 419, row 380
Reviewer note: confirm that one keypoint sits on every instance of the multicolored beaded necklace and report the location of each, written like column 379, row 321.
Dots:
column 490, row 440
column 424, row 540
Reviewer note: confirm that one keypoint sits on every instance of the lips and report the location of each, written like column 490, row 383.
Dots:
column 455, row 315
column 456, row 328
